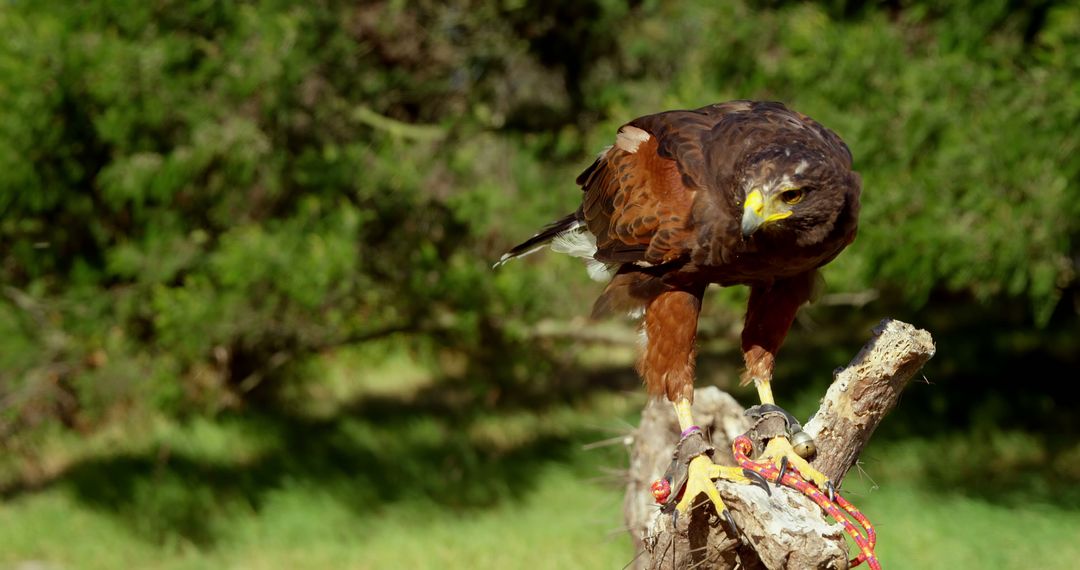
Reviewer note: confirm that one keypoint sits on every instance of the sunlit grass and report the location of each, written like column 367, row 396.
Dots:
column 355, row 484
column 564, row 521
column 567, row 514
column 920, row 529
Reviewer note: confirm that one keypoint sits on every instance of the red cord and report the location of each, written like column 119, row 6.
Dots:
column 741, row 448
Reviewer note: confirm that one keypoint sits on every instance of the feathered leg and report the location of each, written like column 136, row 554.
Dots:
column 667, row 366
column 769, row 315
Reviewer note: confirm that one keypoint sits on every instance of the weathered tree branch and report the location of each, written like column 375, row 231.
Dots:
column 786, row 529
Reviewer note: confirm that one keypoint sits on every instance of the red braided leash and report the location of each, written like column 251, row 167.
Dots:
column 742, row 447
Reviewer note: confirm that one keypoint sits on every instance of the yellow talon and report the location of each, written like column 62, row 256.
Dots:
column 700, row 480
column 780, row 448
column 701, row 472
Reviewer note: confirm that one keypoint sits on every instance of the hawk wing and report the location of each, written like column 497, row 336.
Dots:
column 636, row 203
column 640, row 193
column 666, row 188
column 664, row 197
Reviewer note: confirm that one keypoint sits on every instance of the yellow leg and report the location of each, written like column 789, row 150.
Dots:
column 764, row 390
column 702, row 471
column 682, row 410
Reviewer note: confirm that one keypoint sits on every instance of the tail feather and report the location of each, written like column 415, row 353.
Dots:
column 541, row 239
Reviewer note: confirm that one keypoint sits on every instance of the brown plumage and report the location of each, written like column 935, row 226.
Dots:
column 735, row 193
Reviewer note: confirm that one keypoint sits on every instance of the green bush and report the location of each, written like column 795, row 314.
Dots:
column 195, row 196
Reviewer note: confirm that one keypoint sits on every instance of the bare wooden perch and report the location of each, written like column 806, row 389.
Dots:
column 786, row 529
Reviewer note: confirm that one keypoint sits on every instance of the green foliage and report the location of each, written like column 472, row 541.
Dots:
column 196, row 197
column 203, row 194
column 246, row 299
column 962, row 122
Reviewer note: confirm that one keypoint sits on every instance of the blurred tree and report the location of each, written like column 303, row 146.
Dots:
column 196, row 195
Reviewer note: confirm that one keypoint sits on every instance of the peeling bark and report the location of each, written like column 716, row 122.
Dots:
column 786, row 529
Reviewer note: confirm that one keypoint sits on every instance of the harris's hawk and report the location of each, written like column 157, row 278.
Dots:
column 738, row 193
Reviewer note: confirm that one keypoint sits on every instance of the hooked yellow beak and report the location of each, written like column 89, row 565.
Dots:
column 757, row 212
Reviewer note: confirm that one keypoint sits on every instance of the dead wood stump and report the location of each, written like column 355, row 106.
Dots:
column 786, row 529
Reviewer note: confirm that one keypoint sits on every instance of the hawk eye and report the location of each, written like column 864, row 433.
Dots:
column 793, row 196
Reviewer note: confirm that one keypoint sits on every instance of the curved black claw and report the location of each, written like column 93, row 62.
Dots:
column 830, row 491
column 783, row 468
column 756, row 479
column 731, row 522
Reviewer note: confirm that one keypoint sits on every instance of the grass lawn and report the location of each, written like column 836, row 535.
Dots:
column 565, row 519
column 390, row 481
column 303, row 528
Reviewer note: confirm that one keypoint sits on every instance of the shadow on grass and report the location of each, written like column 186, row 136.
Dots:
column 991, row 416
column 379, row 451
column 375, row 452
column 183, row 496
column 1039, row 474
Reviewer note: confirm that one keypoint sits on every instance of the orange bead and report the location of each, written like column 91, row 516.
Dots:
column 661, row 490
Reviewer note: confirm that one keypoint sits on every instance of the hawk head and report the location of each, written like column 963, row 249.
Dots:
column 795, row 191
